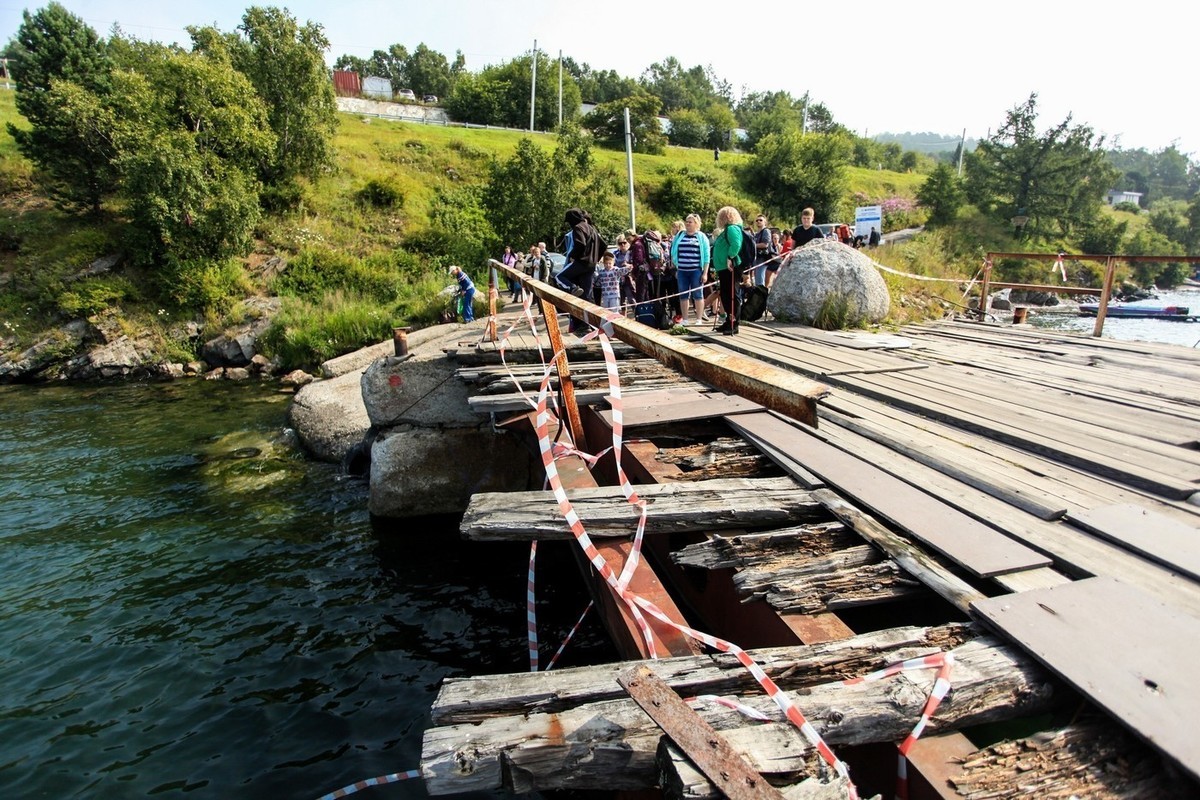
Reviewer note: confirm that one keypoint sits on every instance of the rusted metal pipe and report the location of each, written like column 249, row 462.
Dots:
column 778, row 389
column 400, row 340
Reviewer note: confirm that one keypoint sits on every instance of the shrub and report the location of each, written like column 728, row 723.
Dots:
column 381, row 193
column 212, row 286
column 95, row 295
column 1132, row 208
column 303, row 335
column 316, row 272
column 834, row 313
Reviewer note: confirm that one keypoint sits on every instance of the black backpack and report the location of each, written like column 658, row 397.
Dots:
column 746, row 254
column 754, row 303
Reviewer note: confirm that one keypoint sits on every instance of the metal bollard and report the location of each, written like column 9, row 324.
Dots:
column 400, row 340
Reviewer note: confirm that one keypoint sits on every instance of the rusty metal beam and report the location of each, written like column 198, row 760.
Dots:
column 565, row 384
column 1102, row 258
column 774, row 387
column 704, row 747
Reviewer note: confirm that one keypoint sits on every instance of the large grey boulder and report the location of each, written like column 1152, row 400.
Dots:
column 329, row 417
column 418, row 391
column 823, row 272
column 419, row 471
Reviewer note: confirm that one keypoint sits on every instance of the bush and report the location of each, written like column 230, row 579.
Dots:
column 1132, row 208
column 95, row 295
column 381, row 193
column 303, row 335
column 317, row 272
column 834, row 313
column 211, row 286
column 278, row 198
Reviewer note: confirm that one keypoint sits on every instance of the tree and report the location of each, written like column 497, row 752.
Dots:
column 790, row 171
column 499, row 95
column 63, row 75
column 688, row 128
column 1056, row 180
column 428, row 72
column 942, row 194
column 192, row 132
column 719, row 122
column 285, row 63
column 351, row 63
column 519, row 205
column 607, row 123
column 603, row 86
column 678, row 88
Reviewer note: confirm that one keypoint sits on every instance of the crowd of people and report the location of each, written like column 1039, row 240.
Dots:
column 683, row 276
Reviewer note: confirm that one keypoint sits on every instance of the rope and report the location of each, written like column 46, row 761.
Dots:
column 364, row 784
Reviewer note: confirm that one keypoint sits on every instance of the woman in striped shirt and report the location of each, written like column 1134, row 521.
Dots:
column 690, row 254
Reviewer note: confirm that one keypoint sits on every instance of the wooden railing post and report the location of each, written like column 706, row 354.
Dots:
column 1110, row 269
column 984, row 287
column 564, row 375
column 493, row 293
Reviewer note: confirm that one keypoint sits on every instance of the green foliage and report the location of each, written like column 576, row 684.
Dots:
column 1127, row 207
column 834, row 313
column 675, row 87
column 499, row 95
column 942, row 194
column 522, row 199
column 428, row 72
column 1153, row 243
column 213, row 287
column 688, row 128
column 691, row 190
column 285, row 63
column 304, row 334
column 91, row 296
column 607, row 124
column 61, row 68
column 1056, row 179
column 1161, row 175
column 458, row 231
column 317, row 272
column 381, row 193
column 1170, row 218
column 792, row 171
column 1102, row 235
column 602, row 86
column 719, row 124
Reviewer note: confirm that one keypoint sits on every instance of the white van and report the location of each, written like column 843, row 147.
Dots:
column 406, row 94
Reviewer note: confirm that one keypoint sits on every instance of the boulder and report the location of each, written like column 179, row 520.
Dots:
column 419, row 471
column 296, row 377
column 229, row 351
column 418, row 391
column 329, row 417
column 29, row 363
column 826, row 271
column 237, row 374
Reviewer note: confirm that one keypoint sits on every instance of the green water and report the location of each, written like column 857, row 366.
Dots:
column 191, row 607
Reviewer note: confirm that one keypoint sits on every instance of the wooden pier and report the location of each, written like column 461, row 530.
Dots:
column 1022, row 499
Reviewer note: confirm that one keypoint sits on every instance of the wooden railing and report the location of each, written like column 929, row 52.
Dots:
column 987, row 284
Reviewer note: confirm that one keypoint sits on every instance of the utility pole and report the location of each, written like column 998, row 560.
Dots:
column 962, row 146
column 533, row 87
column 560, row 89
column 804, row 120
column 629, row 166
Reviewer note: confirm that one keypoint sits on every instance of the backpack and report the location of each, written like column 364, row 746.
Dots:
column 753, row 304
column 746, row 254
column 653, row 249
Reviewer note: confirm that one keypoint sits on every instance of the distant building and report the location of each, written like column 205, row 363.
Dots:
column 379, row 88
column 346, row 83
column 1114, row 196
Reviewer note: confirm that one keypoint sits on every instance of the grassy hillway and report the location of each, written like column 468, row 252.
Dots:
column 365, row 249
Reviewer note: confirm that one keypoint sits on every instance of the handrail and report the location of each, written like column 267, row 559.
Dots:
column 775, row 388
column 1105, row 291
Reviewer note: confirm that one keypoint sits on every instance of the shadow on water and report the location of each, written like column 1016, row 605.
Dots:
column 191, row 607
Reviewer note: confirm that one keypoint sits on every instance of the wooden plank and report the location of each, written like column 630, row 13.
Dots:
column 716, row 405
column 982, row 550
column 1154, row 535
column 1129, row 653
column 612, row 744
column 680, row 780
column 707, row 749
column 673, row 508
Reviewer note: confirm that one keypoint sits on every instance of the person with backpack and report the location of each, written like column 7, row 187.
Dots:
column 729, row 262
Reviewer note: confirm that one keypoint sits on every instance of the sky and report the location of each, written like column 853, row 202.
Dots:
column 921, row 66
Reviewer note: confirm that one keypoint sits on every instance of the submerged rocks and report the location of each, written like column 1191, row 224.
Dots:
column 827, row 278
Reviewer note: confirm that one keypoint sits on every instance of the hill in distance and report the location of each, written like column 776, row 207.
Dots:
column 925, row 142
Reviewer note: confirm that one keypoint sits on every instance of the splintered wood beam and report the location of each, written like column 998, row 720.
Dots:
column 612, row 744
column 483, row 697
column 673, row 508
column 707, row 749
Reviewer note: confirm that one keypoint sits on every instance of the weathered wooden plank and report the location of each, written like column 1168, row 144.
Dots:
column 680, row 780
column 612, row 744
column 982, row 550
column 1093, row 760
column 477, row 698
column 705, row 748
column 721, row 552
column 1144, row 531
column 1133, row 656
column 915, row 561
column 676, row 507
column 717, row 405
column 849, row 578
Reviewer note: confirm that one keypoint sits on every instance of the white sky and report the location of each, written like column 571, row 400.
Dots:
column 924, row 65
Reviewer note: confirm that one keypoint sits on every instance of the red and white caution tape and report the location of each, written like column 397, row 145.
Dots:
column 531, row 608
column 369, row 782
column 570, row 635
column 745, row 710
column 941, row 687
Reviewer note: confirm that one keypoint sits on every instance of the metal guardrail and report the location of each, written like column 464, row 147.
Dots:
column 773, row 387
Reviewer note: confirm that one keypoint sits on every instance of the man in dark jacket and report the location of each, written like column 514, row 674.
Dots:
column 586, row 249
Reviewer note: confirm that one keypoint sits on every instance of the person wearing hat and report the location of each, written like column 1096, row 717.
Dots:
column 466, row 290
